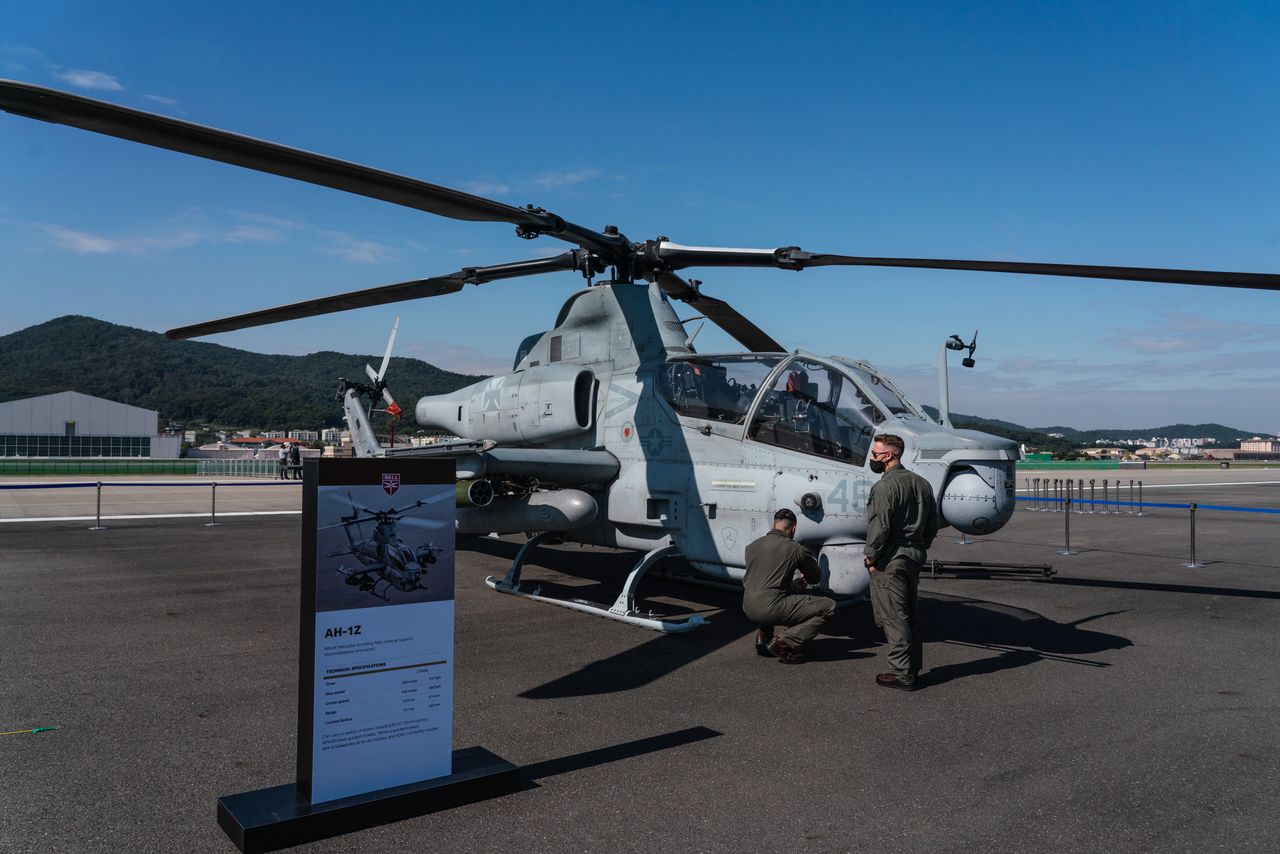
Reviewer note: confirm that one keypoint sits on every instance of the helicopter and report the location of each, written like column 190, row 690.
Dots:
column 611, row 429
column 383, row 557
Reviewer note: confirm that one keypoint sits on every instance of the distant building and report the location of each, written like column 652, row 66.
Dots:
column 304, row 435
column 331, row 436
column 1261, row 446
column 71, row 424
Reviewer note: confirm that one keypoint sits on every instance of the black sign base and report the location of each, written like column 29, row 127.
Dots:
column 270, row 819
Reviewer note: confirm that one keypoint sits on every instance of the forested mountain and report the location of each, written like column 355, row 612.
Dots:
column 194, row 381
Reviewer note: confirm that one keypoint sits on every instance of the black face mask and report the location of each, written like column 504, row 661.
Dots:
column 876, row 466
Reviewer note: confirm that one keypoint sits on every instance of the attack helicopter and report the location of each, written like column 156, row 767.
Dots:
column 611, row 429
column 383, row 556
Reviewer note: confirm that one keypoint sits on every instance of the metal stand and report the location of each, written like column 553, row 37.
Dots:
column 1192, row 563
column 97, row 526
column 213, row 506
column 960, row 568
column 964, row 540
column 624, row 607
column 1066, row 518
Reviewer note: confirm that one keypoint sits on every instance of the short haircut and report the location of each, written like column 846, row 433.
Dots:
column 785, row 515
column 892, row 441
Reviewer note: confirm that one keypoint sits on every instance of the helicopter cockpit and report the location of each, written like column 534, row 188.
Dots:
column 828, row 409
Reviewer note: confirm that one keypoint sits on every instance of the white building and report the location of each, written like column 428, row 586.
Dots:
column 304, row 435
column 71, row 424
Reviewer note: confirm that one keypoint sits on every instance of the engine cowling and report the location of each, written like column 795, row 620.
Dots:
column 540, row 404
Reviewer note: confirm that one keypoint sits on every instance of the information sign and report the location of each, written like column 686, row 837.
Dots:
column 375, row 698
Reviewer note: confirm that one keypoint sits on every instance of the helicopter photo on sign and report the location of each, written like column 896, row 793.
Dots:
column 386, row 544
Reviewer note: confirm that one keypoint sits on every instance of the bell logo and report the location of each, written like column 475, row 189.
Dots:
column 391, row 483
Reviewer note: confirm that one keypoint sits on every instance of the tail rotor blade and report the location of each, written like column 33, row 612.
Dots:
column 386, row 357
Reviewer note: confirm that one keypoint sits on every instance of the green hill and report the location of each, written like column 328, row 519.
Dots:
column 1227, row 437
column 194, row 381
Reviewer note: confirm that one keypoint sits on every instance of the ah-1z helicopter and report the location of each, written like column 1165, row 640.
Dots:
column 611, row 429
column 383, row 556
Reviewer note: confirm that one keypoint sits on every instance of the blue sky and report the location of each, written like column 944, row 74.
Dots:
column 1140, row 134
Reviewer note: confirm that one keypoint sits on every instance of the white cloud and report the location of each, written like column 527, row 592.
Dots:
column 354, row 249
column 253, row 234
column 564, row 178
column 83, row 243
column 160, row 99
column 84, row 79
column 269, row 220
column 486, row 188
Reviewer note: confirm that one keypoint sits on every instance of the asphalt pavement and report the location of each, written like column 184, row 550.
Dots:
column 1130, row 704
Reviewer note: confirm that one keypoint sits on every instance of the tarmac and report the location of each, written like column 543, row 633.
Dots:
column 1129, row 704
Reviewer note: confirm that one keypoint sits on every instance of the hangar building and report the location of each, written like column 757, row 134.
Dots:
column 71, row 424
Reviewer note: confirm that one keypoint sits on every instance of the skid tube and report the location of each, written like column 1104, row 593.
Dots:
column 623, row 609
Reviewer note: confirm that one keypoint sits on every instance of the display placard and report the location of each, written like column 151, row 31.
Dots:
column 375, row 698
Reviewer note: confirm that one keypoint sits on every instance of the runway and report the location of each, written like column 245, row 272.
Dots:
column 1131, row 704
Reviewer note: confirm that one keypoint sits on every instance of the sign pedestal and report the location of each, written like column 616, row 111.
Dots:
column 375, row 668
column 274, row 818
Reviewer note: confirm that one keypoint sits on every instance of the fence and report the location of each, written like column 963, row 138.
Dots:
column 1066, row 496
column 100, row 485
column 94, row 465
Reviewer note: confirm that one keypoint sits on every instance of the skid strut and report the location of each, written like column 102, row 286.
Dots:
column 623, row 609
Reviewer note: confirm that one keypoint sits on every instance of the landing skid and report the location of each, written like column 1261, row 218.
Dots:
column 623, row 609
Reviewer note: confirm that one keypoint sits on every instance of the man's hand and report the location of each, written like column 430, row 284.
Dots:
column 871, row 567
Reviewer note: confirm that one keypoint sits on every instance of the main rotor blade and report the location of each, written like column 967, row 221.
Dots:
column 721, row 314
column 677, row 257
column 51, row 105
column 416, row 289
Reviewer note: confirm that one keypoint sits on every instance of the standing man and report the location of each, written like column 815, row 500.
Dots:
column 284, row 462
column 902, row 520
column 295, row 461
column 767, row 592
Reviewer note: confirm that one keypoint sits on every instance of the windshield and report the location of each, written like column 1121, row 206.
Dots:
column 715, row 388
column 813, row 408
column 880, row 387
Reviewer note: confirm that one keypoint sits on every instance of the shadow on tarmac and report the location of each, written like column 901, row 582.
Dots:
column 1019, row 636
column 614, row 753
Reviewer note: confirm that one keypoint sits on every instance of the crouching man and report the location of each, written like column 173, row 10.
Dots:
column 787, row 619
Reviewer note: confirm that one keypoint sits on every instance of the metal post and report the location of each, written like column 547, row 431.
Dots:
column 1066, row 545
column 213, row 506
column 1035, row 492
column 1192, row 564
column 1140, row 513
column 1080, row 495
column 1130, row 496
column 97, row 525
column 1030, row 503
column 1093, row 505
column 1103, row 511
column 1057, row 494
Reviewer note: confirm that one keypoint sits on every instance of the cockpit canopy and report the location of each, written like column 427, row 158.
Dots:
column 828, row 409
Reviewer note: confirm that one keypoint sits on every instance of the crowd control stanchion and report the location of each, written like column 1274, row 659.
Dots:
column 1103, row 511
column 1192, row 563
column 1093, row 504
column 1140, row 513
column 213, row 506
column 1066, row 543
column 97, row 525
column 1130, row 511
column 1035, row 504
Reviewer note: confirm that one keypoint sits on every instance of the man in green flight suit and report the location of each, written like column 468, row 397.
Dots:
column 768, row 596
column 902, row 520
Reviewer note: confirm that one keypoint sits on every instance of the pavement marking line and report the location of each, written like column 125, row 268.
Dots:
column 156, row 516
